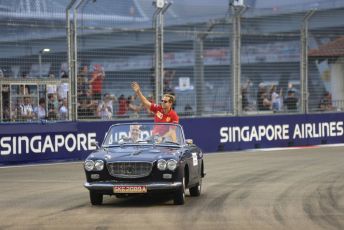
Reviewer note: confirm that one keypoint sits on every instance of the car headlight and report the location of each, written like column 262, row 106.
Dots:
column 172, row 164
column 99, row 165
column 89, row 165
column 162, row 164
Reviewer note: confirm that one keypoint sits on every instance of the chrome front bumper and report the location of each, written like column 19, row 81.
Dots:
column 108, row 186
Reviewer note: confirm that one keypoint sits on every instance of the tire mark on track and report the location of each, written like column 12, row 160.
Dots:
column 321, row 206
column 245, row 186
column 240, row 191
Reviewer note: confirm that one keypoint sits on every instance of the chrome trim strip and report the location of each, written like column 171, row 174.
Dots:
column 150, row 186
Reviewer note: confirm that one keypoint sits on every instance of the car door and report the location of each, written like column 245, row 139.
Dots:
column 194, row 165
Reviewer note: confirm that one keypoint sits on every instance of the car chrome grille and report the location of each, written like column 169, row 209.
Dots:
column 130, row 169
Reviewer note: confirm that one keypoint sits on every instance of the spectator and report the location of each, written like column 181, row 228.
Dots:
column 291, row 101
column 63, row 74
column 292, row 88
column 86, row 108
column 260, row 92
column 244, row 95
column 7, row 113
column 40, row 110
column 83, row 72
column 96, row 82
column 122, row 106
column 82, row 85
column 16, row 111
column 264, row 104
column 83, row 89
column 275, row 99
column 133, row 109
column 326, row 102
column 52, row 108
column 62, row 90
column 63, row 110
column 105, row 107
column 26, row 110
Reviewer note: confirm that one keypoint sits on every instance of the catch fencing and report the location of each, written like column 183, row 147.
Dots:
column 218, row 59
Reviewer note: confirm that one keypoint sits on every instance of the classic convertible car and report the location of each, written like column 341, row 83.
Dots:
column 144, row 158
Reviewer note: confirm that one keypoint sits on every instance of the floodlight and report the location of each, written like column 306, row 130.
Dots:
column 45, row 50
column 238, row 2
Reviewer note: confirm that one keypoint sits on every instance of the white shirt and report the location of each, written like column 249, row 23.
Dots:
column 63, row 111
column 105, row 110
column 26, row 109
column 40, row 112
column 62, row 90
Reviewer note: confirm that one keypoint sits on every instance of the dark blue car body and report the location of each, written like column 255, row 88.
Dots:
column 127, row 168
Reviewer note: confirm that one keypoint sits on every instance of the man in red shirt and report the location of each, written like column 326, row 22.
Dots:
column 96, row 82
column 122, row 106
column 162, row 112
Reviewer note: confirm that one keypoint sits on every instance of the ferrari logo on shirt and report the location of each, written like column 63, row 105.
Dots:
column 168, row 119
column 159, row 114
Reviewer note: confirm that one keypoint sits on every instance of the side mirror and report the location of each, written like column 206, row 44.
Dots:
column 189, row 141
column 95, row 144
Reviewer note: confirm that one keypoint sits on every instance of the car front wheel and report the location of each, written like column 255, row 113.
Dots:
column 179, row 196
column 96, row 198
column 196, row 190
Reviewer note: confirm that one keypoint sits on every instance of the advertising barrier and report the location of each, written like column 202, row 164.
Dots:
column 37, row 142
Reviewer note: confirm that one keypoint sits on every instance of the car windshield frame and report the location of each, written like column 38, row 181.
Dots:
column 150, row 134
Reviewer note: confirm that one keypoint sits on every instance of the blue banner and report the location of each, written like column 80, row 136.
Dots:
column 34, row 142
column 237, row 133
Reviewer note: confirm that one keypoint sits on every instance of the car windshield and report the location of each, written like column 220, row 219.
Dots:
column 144, row 133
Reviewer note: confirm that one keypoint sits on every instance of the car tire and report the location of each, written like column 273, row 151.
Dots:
column 196, row 190
column 179, row 196
column 96, row 198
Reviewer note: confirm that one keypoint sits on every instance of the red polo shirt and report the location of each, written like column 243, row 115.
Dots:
column 97, row 83
column 159, row 116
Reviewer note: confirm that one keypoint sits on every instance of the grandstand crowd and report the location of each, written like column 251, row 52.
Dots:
column 51, row 102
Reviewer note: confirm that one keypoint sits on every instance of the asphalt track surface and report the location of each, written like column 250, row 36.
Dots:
column 289, row 189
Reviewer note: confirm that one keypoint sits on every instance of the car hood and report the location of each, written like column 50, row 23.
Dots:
column 134, row 153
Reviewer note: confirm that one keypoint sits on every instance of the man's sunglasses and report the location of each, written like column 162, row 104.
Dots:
column 164, row 101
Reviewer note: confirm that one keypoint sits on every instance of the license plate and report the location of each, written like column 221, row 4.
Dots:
column 129, row 189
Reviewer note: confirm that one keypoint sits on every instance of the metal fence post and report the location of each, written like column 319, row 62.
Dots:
column 69, row 53
column 158, row 24
column 72, row 58
column 199, row 66
column 199, row 72
column 74, row 76
column 304, row 62
column 237, row 11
